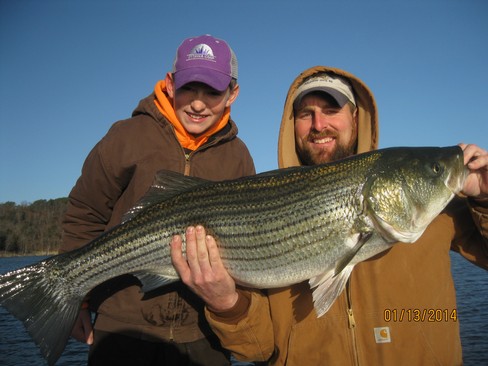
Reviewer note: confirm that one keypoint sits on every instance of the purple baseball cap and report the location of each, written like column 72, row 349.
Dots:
column 205, row 59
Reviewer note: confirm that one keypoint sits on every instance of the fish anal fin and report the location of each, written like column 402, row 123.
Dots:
column 151, row 281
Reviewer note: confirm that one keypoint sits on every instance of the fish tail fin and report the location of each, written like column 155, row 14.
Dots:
column 40, row 303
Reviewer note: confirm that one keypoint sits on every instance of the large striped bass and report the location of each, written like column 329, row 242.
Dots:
column 273, row 229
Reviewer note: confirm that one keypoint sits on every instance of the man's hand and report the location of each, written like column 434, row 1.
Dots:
column 202, row 270
column 83, row 330
column 476, row 159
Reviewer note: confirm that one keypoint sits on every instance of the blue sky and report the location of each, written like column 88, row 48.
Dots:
column 69, row 69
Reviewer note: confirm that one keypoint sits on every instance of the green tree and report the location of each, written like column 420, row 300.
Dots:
column 31, row 228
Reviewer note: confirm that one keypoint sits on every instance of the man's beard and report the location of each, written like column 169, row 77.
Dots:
column 309, row 156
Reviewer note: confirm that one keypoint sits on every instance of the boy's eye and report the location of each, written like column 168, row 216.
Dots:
column 214, row 93
column 205, row 89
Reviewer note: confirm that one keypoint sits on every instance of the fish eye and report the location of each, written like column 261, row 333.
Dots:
column 436, row 168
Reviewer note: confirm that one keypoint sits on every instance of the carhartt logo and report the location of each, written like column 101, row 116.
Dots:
column 382, row 335
column 201, row 52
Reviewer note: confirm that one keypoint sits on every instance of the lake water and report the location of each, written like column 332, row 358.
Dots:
column 17, row 348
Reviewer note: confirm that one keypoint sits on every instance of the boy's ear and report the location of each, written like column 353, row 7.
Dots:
column 233, row 95
column 170, row 85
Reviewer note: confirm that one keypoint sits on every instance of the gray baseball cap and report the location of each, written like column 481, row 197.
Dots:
column 336, row 86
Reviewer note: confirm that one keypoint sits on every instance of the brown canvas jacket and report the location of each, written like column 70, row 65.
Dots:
column 399, row 308
column 116, row 174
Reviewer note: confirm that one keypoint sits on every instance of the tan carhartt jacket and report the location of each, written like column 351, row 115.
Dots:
column 399, row 308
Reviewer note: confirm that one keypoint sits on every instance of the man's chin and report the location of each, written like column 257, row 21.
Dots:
column 324, row 156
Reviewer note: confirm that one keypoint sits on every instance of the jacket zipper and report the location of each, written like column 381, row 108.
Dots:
column 351, row 321
column 187, row 164
column 187, row 156
column 186, row 173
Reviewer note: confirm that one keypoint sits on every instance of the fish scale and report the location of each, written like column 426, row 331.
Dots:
column 273, row 229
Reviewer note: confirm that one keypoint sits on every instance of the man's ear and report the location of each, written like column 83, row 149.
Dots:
column 355, row 117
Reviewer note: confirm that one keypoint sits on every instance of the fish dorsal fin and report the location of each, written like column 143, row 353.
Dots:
column 166, row 184
column 327, row 287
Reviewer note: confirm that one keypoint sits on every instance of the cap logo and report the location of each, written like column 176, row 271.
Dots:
column 207, row 60
column 201, row 52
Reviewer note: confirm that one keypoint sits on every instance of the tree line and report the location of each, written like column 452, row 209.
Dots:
column 28, row 229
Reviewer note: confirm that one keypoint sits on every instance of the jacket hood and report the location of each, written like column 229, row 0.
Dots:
column 367, row 117
column 147, row 106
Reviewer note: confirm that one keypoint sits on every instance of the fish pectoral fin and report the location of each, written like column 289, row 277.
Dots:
column 361, row 240
column 327, row 287
column 151, row 280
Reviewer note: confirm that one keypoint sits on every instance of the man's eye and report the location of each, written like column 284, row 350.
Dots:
column 304, row 114
column 330, row 111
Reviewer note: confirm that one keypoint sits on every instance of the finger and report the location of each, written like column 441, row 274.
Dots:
column 479, row 159
column 90, row 338
column 77, row 331
column 213, row 252
column 474, row 156
column 202, row 250
column 467, row 152
column 478, row 163
column 192, row 252
column 83, row 331
column 177, row 258
column 87, row 327
column 190, row 240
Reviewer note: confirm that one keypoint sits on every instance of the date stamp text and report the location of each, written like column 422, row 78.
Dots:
column 420, row 315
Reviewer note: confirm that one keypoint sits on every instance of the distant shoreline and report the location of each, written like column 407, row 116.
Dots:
column 33, row 254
